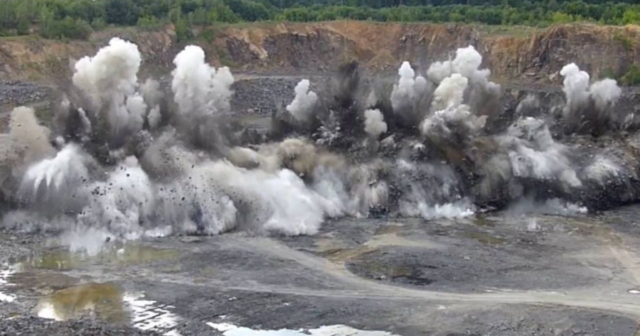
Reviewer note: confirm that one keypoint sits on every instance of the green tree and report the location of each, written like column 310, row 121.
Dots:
column 631, row 16
column 121, row 12
column 23, row 26
column 559, row 17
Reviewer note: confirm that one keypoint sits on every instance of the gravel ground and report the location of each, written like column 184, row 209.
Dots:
column 20, row 93
column 264, row 95
column 292, row 282
column 34, row 326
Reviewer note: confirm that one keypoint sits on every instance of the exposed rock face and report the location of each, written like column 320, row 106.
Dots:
column 513, row 54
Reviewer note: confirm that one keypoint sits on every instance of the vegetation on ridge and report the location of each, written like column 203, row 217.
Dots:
column 76, row 19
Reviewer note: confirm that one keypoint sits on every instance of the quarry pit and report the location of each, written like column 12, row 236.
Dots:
column 551, row 251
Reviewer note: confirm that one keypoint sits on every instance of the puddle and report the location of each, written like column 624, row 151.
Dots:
column 101, row 300
column 122, row 254
column 108, row 303
column 484, row 238
column 228, row 329
column 149, row 315
column 5, row 274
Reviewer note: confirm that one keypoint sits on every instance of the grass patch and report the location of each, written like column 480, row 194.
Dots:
column 626, row 42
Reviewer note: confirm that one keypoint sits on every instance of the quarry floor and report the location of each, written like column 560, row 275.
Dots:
column 493, row 274
column 490, row 274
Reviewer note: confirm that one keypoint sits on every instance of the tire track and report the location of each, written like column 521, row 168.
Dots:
column 360, row 288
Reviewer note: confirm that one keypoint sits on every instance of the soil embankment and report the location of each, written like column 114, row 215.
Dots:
column 514, row 54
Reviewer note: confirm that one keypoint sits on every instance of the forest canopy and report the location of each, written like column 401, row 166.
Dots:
column 76, row 19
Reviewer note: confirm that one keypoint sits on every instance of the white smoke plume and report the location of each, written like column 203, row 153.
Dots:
column 466, row 63
column 110, row 81
column 152, row 96
column 449, row 93
column 191, row 83
column 198, row 88
column 450, row 114
column 590, row 108
column 151, row 92
column 57, row 181
column 29, row 139
column 280, row 201
column 374, row 123
column 576, row 87
column 195, row 204
column 26, row 143
column 111, row 74
column 221, row 89
column 605, row 93
column 123, row 202
column 438, row 71
column 601, row 169
column 482, row 94
column 537, row 155
column 408, row 92
column 302, row 106
column 164, row 176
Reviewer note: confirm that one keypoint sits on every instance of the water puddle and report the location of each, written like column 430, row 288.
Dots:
column 5, row 275
column 121, row 254
column 109, row 303
column 150, row 315
column 228, row 329
column 43, row 274
column 101, row 300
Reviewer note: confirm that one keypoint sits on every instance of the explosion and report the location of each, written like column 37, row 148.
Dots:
column 123, row 160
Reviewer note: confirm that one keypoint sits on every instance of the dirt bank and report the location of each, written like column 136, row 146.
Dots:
column 517, row 54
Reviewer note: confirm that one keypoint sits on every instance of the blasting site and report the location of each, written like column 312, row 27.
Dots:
column 317, row 181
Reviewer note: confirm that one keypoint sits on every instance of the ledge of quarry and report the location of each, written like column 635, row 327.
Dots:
column 514, row 54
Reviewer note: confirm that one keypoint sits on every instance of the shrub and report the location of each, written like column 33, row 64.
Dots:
column 183, row 32
column 632, row 77
column 23, row 26
column 98, row 24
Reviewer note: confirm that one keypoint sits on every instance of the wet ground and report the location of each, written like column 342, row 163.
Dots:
column 495, row 274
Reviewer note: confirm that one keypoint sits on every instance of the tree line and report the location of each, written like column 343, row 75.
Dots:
column 76, row 19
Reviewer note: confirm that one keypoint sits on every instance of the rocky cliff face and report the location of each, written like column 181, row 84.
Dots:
column 514, row 54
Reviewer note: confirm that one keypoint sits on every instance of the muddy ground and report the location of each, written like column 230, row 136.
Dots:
column 491, row 274
column 486, row 275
